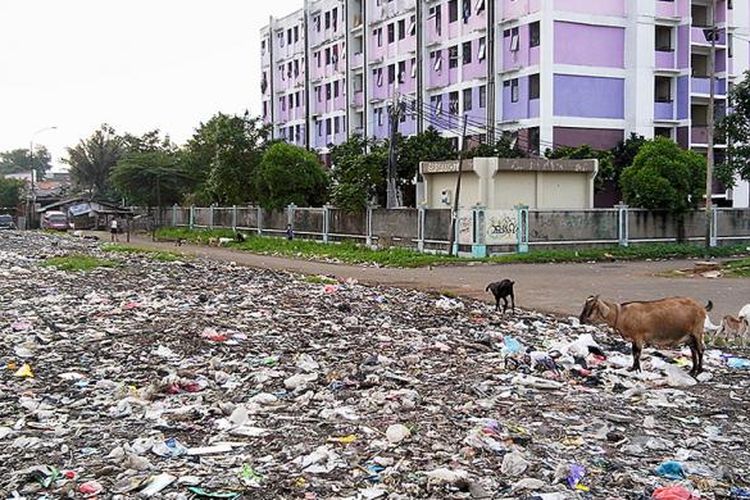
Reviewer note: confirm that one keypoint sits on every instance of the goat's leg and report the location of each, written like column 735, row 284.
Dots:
column 497, row 303
column 505, row 304
column 694, row 355
column 637, row 349
column 513, row 301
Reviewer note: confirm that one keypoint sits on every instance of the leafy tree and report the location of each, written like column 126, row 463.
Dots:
column 427, row 146
column 92, row 160
column 357, row 173
column 664, row 176
column 152, row 178
column 222, row 156
column 19, row 160
column 736, row 128
column 149, row 142
column 585, row 152
column 623, row 156
column 290, row 174
column 11, row 191
column 504, row 147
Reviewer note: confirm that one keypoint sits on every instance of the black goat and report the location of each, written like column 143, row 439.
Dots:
column 503, row 290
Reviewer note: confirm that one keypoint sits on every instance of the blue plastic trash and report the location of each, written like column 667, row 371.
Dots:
column 739, row 363
column 671, row 470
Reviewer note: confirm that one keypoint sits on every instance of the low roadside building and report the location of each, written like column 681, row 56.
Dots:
column 495, row 183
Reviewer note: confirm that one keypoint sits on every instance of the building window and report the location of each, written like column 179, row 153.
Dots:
column 336, row 127
column 334, row 19
column 467, row 53
column 328, row 56
column 282, row 104
column 453, row 57
column 663, row 89
column 480, row 7
column 391, row 74
column 402, row 72
column 289, row 36
column 328, row 127
column 437, row 60
column 413, row 68
column 482, row 53
column 535, row 34
column 263, row 46
column 534, row 87
column 664, row 38
column 316, row 22
column 483, row 96
column 378, row 75
column 328, row 92
column 391, row 33
column 466, row 10
column 436, row 102
column 280, row 36
column 468, row 104
column 453, row 103
column 328, row 20
column 296, row 67
column 296, row 34
column 514, row 40
column 453, row 11
column 436, row 14
column 335, row 89
column 412, row 26
column 378, row 34
column 514, row 90
column 319, row 91
column 380, row 117
column 663, row 132
column 402, row 29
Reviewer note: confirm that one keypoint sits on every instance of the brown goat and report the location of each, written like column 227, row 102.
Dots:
column 733, row 328
column 659, row 323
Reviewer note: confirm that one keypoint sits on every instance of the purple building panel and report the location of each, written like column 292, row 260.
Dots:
column 518, row 49
column 596, row 8
column 519, row 8
column 599, row 139
column 574, row 42
column 683, row 98
column 589, row 97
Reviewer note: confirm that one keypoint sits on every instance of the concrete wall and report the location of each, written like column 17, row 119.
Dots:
column 592, row 225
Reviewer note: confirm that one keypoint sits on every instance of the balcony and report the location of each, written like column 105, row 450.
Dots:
column 665, row 60
column 698, row 36
column 702, row 86
column 699, row 137
column 664, row 110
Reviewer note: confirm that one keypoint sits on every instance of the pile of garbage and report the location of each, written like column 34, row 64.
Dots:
column 198, row 379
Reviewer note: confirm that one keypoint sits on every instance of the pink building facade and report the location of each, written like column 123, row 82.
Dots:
column 555, row 73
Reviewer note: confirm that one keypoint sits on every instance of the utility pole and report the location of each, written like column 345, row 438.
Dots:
column 711, row 123
column 392, row 195
column 457, row 196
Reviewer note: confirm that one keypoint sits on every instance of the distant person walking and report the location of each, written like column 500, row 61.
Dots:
column 113, row 231
column 289, row 232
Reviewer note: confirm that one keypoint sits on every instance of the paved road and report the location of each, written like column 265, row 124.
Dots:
column 554, row 288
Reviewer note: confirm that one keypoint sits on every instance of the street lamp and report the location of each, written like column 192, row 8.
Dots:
column 32, row 208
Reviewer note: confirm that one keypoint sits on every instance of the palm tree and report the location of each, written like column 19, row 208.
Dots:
column 92, row 160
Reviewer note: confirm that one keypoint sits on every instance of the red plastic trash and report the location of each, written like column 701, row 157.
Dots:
column 674, row 493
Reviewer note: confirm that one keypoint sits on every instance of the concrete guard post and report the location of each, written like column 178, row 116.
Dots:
column 421, row 216
column 192, row 217
column 623, row 225
column 714, row 239
column 479, row 246
column 234, row 217
column 368, row 221
column 211, row 216
column 454, row 219
column 260, row 220
column 174, row 215
column 290, row 214
column 326, row 222
column 523, row 228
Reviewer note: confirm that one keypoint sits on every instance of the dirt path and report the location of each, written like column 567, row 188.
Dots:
column 555, row 288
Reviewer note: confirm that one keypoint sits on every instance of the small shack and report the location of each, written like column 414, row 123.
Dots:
column 90, row 214
column 496, row 183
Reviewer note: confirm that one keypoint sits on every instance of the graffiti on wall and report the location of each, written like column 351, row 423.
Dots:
column 502, row 227
column 465, row 228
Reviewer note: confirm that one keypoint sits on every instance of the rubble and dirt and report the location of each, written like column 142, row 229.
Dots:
column 197, row 379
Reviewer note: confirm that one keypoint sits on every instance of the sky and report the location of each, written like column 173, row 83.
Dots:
column 134, row 64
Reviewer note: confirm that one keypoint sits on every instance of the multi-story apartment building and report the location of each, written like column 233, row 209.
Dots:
column 555, row 72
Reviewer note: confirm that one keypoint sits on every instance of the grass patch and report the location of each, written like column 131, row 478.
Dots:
column 658, row 251
column 352, row 253
column 320, row 280
column 738, row 268
column 158, row 255
column 78, row 263
column 348, row 252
